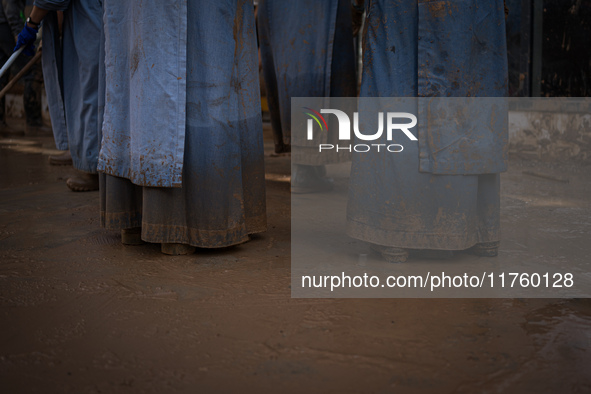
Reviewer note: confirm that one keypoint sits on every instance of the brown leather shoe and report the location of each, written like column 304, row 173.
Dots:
column 83, row 182
column 64, row 159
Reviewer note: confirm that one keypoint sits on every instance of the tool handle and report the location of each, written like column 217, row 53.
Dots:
column 20, row 73
column 10, row 60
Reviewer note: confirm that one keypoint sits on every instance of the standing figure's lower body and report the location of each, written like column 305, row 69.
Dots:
column 413, row 49
column 222, row 197
column 32, row 81
column 409, row 210
column 306, row 51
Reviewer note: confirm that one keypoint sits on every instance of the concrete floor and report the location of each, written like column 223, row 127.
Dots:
column 81, row 313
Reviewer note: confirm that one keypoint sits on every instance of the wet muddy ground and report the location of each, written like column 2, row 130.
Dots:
column 81, row 313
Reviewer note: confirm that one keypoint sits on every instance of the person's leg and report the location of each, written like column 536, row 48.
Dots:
column 489, row 215
column 121, row 207
column 393, row 205
column 52, row 61
column 306, row 178
column 33, row 82
column 222, row 198
column 81, row 47
column 282, row 142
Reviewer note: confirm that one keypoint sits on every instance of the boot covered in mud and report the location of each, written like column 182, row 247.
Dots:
column 83, row 182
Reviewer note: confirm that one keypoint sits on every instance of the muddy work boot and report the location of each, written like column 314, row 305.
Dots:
column 177, row 249
column 83, row 182
column 486, row 249
column 310, row 179
column 63, row 159
column 391, row 254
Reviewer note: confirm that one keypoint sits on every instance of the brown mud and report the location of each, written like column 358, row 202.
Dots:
column 82, row 313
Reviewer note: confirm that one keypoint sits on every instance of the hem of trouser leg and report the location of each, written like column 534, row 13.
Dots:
column 416, row 240
column 257, row 224
column 92, row 169
column 159, row 233
column 86, row 170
